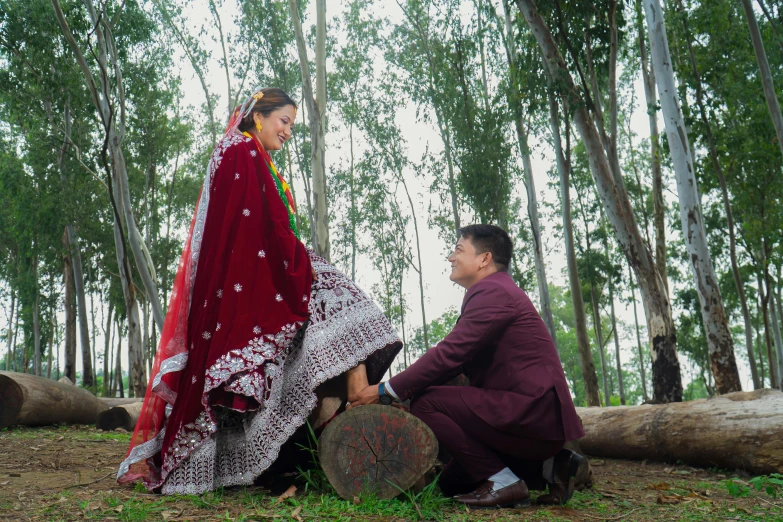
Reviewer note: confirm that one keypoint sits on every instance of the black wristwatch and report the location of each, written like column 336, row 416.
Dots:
column 383, row 397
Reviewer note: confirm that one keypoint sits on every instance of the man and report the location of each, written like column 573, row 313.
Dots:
column 517, row 405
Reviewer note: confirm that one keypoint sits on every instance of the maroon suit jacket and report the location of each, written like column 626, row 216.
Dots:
column 500, row 343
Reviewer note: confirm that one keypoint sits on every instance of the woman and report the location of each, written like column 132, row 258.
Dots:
column 255, row 324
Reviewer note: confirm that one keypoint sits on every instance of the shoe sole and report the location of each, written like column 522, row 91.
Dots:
column 573, row 468
column 514, row 505
column 520, row 504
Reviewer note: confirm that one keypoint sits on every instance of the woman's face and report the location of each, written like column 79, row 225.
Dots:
column 276, row 128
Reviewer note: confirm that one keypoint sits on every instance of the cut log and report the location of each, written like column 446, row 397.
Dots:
column 741, row 430
column 123, row 416
column 376, row 449
column 35, row 401
column 111, row 402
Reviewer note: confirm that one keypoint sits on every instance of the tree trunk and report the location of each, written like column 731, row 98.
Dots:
column 599, row 338
column 305, row 179
column 583, row 341
column 354, row 211
column 715, row 320
column 122, row 416
column 620, row 386
column 316, row 110
column 106, row 354
column 144, row 263
column 70, row 317
column 145, row 337
column 530, row 187
column 118, row 364
column 375, row 448
column 420, row 269
column 136, row 369
column 117, row 176
column 667, row 383
column 638, row 337
column 36, row 320
column 538, row 250
column 50, row 343
column 758, row 334
column 88, row 376
column 28, row 400
column 74, row 249
column 57, row 348
column 659, row 210
column 111, row 89
column 736, row 430
column 778, row 346
column 766, row 73
column 765, row 301
column 10, row 333
column 713, row 151
column 773, row 305
column 92, row 333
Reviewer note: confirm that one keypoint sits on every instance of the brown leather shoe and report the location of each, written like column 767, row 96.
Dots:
column 562, row 489
column 515, row 495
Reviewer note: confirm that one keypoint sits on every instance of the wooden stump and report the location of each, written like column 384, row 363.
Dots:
column 376, row 449
column 738, row 430
column 35, row 401
column 123, row 416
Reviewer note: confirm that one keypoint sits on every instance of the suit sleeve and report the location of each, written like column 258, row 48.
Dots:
column 487, row 313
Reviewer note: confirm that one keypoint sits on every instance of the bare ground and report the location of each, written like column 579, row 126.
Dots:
column 67, row 473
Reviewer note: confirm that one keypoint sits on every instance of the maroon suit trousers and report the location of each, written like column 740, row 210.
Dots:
column 478, row 449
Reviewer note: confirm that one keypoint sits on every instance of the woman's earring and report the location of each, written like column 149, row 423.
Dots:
column 258, row 127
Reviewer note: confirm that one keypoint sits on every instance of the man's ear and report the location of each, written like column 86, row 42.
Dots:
column 487, row 260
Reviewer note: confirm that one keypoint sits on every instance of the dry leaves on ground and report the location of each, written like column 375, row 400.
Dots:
column 290, row 492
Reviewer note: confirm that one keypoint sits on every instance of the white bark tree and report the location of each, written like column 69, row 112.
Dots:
column 103, row 95
column 316, row 110
column 716, row 164
column 667, row 381
column 716, row 325
column 74, row 247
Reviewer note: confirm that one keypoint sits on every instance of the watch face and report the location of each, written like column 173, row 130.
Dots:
column 386, row 400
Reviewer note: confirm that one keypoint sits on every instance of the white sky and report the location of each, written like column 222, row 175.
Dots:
column 441, row 294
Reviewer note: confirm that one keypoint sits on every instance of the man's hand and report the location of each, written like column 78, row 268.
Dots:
column 369, row 395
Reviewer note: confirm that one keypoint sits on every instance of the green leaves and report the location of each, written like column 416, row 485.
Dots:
column 771, row 484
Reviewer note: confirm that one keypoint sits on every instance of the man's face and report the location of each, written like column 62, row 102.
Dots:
column 466, row 263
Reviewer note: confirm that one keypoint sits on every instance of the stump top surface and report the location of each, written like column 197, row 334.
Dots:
column 376, row 449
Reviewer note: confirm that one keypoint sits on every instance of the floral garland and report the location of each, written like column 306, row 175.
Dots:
column 283, row 188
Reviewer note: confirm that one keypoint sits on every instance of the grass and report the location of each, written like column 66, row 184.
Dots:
column 246, row 504
column 84, row 434
column 623, row 491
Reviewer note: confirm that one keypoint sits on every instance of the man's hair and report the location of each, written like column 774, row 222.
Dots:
column 492, row 239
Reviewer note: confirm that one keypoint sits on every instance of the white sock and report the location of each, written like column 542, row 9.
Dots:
column 503, row 478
